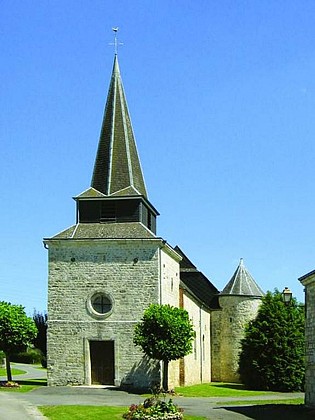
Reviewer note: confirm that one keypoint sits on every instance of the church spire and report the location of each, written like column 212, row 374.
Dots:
column 117, row 169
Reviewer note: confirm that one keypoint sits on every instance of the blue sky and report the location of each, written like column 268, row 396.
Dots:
column 222, row 99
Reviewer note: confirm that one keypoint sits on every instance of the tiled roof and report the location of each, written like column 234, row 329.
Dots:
column 117, row 165
column 106, row 231
column 197, row 282
column 242, row 283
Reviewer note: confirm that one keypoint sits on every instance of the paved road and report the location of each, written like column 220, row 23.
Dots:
column 13, row 405
column 22, row 406
column 32, row 372
column 16, row 409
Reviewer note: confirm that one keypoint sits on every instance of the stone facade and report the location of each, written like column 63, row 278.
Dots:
column 134, row 274
column 128, row 272
column 308, row 282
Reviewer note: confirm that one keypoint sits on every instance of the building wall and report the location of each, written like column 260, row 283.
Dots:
column 227, row 332
column 169, row 280
column 170, row 295
column 216, row 346
column 309, row 284
column 129, row 272
column 198, row 363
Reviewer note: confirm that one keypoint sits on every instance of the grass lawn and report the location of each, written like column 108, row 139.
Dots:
column 86, row 412
column 219, row 389
column 26, row 385
column 293, row 401
column 3, row 372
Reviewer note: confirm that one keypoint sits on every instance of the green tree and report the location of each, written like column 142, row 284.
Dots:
column 17, row 331
column 40, row 341
column 272, row 354
column 165, row 333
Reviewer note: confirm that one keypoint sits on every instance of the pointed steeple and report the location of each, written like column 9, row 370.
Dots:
column 117, row 169
column 242, row 283
column 117, row 194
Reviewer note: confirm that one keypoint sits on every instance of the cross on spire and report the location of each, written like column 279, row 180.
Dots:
column 116, row 43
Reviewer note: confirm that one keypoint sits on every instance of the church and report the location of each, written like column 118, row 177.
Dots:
column 106, row 269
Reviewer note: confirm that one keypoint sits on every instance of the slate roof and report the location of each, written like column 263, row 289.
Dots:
column 128, row 230
column 90, row 193
column 197, row 282
column 242, row 283
column 310, row 274
column 117, row 166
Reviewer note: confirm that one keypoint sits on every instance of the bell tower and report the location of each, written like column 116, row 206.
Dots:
column 117, row 193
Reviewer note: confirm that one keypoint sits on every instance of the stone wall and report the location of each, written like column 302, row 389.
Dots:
column 216, row 346
column 198, row 363
column 227, row 332
column 169, row 279
column 129, row 273
column 170, row 295
column 309, row 282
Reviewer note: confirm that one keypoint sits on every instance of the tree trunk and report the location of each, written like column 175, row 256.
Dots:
column 165, row 375
column 8, row 366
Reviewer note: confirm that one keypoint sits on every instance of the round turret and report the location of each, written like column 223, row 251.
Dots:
column 239, row 301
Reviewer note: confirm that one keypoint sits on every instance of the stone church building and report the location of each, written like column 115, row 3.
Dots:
column 107, row 268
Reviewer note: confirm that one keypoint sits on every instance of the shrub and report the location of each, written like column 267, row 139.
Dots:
column 31, row 356
column 272, row 354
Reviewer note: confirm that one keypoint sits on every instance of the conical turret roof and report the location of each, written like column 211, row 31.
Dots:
column 117, row 169
column 242, row 283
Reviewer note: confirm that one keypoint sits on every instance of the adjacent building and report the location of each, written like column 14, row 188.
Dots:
column 308, row 281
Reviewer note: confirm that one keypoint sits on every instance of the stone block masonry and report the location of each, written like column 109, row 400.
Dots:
column 130, row 276
column 228, row 328
column 309, row 282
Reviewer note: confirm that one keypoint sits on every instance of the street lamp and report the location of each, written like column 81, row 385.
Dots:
column 286, row 295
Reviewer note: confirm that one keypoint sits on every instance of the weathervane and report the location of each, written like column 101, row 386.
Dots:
column 116, row 43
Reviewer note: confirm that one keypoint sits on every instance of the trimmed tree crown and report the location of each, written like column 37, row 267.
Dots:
column 164, row 333
column 17, row 330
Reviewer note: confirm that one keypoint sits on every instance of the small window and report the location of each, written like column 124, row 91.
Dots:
column 99, row 304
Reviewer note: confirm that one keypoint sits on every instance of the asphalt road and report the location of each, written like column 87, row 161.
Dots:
column 23, row 406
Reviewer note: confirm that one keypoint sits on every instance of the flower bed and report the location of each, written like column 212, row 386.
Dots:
column 9, row 384
column 154, row 408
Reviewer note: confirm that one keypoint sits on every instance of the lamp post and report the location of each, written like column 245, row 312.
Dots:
column 286, row 295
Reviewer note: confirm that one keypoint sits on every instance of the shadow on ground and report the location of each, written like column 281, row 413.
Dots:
column 230, row 386
column 274, row 412
column 37, row 382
